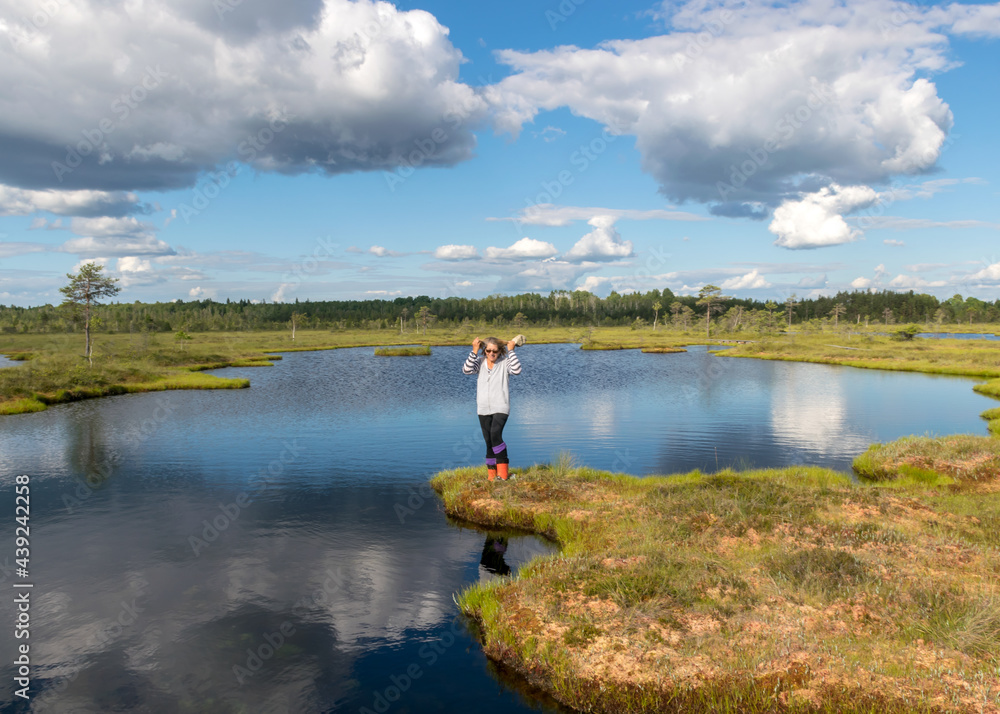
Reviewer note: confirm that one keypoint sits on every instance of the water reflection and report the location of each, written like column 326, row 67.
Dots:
column 492, row 565
column 809, row 412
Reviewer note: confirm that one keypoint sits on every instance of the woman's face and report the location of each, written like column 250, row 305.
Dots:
column 492, row 352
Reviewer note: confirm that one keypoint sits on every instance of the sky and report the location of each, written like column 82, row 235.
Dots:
column 339, row 149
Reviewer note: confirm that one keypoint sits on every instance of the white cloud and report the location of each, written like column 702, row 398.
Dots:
column 547, row 275
column 548, row 214
column 593, row 283
column 133, row 270
column 861, row 283
column 168, row 91
column 281, row 294
column 990, row 274
column 601, row 244
column 751, row 281
column 456, row 252
column 780, row 100
column 815, row 220
column 22, row 202
column 894, row 243
column 911, row 282
column 118, row 246
column 524, row 249
column 200, row 293
column 95, row 260
column 816, row 281
column 549, row 133
column 383, row 252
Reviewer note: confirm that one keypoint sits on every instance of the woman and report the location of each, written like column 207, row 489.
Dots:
column 493, row 396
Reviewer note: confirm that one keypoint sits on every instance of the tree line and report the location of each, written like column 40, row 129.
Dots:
column 558, row 308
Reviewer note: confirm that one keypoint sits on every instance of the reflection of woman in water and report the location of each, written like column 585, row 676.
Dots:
column 493, row 396
column 492, row 561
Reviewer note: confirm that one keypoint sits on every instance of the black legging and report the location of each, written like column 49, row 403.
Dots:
column 492, row 426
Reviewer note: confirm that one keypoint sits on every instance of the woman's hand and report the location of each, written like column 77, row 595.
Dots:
column 476, row 343
column 511, row 345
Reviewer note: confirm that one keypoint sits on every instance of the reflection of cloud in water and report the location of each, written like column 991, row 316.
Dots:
column 809, row 410
column 345, row 588
column 587, row 416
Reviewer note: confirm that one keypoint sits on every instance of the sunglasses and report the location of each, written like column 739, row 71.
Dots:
column 492, row 352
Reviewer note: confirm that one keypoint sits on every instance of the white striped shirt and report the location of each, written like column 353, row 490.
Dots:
column 492, row 386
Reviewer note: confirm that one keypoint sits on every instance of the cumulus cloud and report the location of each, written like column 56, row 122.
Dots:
column 134, row 271
column 200, row 293
column 815, row 220
column 524, row 249
column 912, row 282
column 593, row 283
column 863, row 283
column 281, row 294
column 547, row 275
column 781, row 100
column 601, row 244
column 751, row 281
column 456, row 252
column 989, row 274
column 22, row 202
column 382, row 252
column 163, row 94
column 118, row 237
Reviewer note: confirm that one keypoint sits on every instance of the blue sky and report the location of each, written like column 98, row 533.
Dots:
column 329, row 149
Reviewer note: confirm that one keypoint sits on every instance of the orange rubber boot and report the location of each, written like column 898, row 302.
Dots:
column 491, row 473
column 502, row 471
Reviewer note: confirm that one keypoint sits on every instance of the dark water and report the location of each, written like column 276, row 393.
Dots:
column 276, row 549
column 959, row 335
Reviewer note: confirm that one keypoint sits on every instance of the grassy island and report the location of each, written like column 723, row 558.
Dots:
column 419, row 351
column 794, row 589
column 662, row 350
